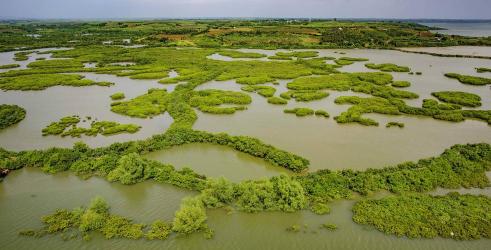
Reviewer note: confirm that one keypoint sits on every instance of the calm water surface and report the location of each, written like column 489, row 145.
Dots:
column 478, row 29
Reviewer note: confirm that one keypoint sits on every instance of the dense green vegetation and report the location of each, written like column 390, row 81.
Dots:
column 117, row 96
column 209, row 100
column 9, row 66
column 304, row 95
column 461, row 217
column 401, row 84
column 67, row 126
column 277, row 100
column 43, row 81
column 459, row 98
column 239, row 54
column 266, row 91
column 10, row 115
column 394, row 124
column 269, row 33
column 349, row 60
column 96, row 218
column 321, row 112
column 459, row 166
column 148, row 105
column 483, row 70
column 394, row 106
column 300, row 111
column 388, row 67
column 371, row 83
column 472, row 80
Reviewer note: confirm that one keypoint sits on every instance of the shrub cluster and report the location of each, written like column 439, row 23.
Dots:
column 96, row 127
column 472, row 80
column 461, row 217
column 459, row 98
column 10, row 115
column 388, row 67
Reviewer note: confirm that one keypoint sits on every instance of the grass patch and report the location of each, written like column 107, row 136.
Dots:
column 459, row 98
column 300, row 111
column 43, row 81
column 277, row 100
column 67, row 126
column 148, row 105
column 401, row 84
column 117, row 96
column 10, row 115
column 394, row 124
column 472, row 80
column 460, row 217
column 388, row 67
column 266, row 91
column 240, row 54
column 9, row 66
column 304, row 95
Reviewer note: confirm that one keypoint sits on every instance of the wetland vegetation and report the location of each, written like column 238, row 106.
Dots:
column 407, row 210
column 10, row 115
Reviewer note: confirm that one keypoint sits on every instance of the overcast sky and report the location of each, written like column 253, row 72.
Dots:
column 452, row 9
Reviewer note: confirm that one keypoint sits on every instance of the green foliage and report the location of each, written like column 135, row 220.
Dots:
column 394, row 124
column 483, row 70
column 329, row 226
column 320, row 208
column 117, row 96
column 304, row 95
column 297, row 54
column 209, row 101
column 299, row 111
column 459, row 166
column 388, row 67
column 372, row 83
column 130, row 169
column 240, row 54
column 151, row 104
column 433, row 104
column 461, row 217
column 472, row 80
column 280, row 193
column 253, row 80
column 263, row 34
column 362, row 106
column 266, row 91
column 276, row 100
column 96, row 127
column 401, row 84
column 95, row 218
column 22, row 56
column 191, row 217
column 321, row 112
column 392, row 106
column 9, row 66
column 349, row 60
column 10, row 115
column 43, row 81
column 459, row 98
column 159, row 230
